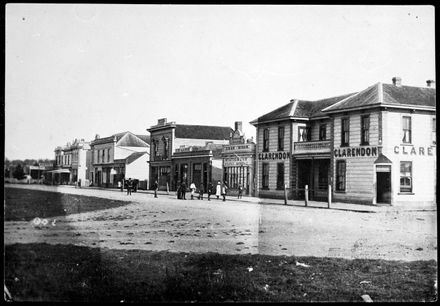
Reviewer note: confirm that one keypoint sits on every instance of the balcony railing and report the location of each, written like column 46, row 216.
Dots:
column 312, row 147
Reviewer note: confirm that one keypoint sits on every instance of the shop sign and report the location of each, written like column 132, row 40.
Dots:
column 273, row 155
column 405, row 150
column 355, row 152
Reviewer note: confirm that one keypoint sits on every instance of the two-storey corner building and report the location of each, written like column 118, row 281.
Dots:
column 294, row 150
column 168, row 138
column 62, row 172
column 373, row 146
column 384, row 145
column 239, row 162
column 119, row 156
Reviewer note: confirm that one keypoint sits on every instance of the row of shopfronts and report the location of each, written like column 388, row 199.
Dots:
column 374, row 146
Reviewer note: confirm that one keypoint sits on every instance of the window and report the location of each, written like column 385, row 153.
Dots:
column 323, row 132
column 405, row 176
column 434, row 136
column 281, row 138
column 265, row 176
column 165, row 147
column 103, row 154
column 108, row 155
column 365, row 130
column 340, row 175
column 345, row 132
column 303, row 134
column 156, row 147
column 323, row 175
column 266, row 140
column 280, row 176
column 406, row 127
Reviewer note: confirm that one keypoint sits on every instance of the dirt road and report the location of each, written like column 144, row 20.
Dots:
column 166, row 223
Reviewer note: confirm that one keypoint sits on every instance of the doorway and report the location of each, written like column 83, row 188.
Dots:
column 383, row 180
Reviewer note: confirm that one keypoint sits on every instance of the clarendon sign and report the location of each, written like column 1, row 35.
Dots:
column 412, row 151
column 273, row 155
column 353, row 152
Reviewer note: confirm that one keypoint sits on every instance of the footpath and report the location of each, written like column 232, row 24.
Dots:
column 361, row 208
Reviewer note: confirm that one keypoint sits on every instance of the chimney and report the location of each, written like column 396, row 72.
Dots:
column 162, row 121
column 397, row 81
column 430, row 83
column 238, row 125
column 97, row 136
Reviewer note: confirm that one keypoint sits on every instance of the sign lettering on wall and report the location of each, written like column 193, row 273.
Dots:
column 406, row 150
column 273, row 155
column 355, row 152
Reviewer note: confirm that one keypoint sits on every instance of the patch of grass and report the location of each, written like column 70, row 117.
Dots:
column 26, row 204
column 43, row 272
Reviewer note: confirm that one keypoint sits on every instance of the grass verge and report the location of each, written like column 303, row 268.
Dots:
column 26, row 204
column 44, row 272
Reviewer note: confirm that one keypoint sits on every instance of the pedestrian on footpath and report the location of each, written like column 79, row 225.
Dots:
column 209, row 191
column 192, row 187
column 183, row 190
column 218, row 190
column 122, row 185
column 155, row 187
column 240, row 191
column 201, row 191
column 179, row 190
column 79, row 183
column 129, row 185
column 224, row 188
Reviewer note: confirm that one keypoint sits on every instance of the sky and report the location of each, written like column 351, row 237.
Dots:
column 77, row 70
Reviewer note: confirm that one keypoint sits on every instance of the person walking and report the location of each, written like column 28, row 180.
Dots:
column 218, row 190
column 240, row 191
column 122, row 185
column 209, row 191
column 224, row 188
column 155, row 187
column 179, row 190
column 201, row 191
column 192, row 187
column 183, row 190
column 129, row 185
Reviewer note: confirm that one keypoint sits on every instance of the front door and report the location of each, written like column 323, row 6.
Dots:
column 383, row 177
column 304, row 177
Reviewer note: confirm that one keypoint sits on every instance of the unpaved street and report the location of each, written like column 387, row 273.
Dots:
column 235, row 227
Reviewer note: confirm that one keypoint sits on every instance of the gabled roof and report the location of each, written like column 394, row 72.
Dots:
column 145, row 138
column 202, row 132
column 126, row 139
column 387, row 95
column 132, row 157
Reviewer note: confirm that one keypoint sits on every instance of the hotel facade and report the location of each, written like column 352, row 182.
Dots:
column 374, row 146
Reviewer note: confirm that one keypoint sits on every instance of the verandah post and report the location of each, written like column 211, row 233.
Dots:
column 306, row 194
column 329, row 196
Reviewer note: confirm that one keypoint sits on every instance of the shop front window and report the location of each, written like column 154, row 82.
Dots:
column 340, row 175
column 280, row 176
column 405, row 176
column 265, row 176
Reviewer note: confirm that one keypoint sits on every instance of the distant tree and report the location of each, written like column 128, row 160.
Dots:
column 18, row 172
column 7, row 172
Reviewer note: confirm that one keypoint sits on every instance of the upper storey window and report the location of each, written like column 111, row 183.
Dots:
column 304, row 134
column 345, row 132
column 365, row 130
column 406, row 129
column 281, row 138
column 323, row 132
column 266, row 140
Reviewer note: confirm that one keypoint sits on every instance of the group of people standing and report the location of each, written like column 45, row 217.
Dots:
column 220, row 190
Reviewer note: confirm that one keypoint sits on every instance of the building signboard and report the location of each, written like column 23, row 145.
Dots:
column 273, row 155
column 355, row 152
